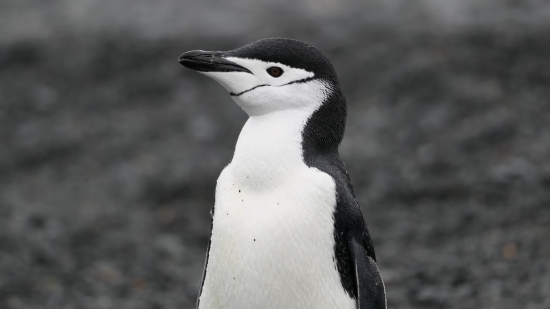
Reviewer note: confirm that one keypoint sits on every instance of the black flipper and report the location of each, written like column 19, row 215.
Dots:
column 371, row 293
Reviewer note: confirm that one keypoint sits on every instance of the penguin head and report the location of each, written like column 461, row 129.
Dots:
column 269, row 75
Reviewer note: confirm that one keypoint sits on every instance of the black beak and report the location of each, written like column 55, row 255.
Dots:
column 205, row 61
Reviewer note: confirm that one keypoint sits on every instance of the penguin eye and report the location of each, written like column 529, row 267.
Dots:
column 275, row 71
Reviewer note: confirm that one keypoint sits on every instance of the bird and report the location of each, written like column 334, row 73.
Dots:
column 287, row 231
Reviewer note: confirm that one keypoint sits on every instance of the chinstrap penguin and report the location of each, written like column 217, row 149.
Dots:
column 287, row 231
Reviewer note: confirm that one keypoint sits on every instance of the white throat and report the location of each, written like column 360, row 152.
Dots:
column 269, row 148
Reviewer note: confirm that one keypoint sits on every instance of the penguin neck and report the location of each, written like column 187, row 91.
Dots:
column 269, row 149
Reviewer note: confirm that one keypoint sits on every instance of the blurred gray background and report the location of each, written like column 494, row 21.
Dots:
column 110, row 150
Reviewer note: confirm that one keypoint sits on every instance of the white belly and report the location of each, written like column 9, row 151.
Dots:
column 274, row 248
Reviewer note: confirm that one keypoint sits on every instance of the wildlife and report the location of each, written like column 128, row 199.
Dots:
column 287, row 231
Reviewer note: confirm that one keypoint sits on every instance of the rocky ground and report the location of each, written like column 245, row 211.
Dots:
column 109, row 149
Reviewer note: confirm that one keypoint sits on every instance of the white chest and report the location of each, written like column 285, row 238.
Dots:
column 274, row 249
column 272, row 243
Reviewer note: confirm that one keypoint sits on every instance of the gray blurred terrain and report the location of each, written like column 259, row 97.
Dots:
column 110, row 150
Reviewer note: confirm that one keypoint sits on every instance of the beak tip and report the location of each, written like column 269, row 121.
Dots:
column 181, row 58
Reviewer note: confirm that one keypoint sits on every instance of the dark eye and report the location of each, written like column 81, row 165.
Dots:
column 275, row 71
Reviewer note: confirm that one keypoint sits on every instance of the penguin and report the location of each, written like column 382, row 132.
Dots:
column 287, row 231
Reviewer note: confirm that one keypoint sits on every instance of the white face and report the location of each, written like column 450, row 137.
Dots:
column 260, row 93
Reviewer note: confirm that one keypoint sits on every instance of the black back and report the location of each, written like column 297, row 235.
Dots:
column 321, row 137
